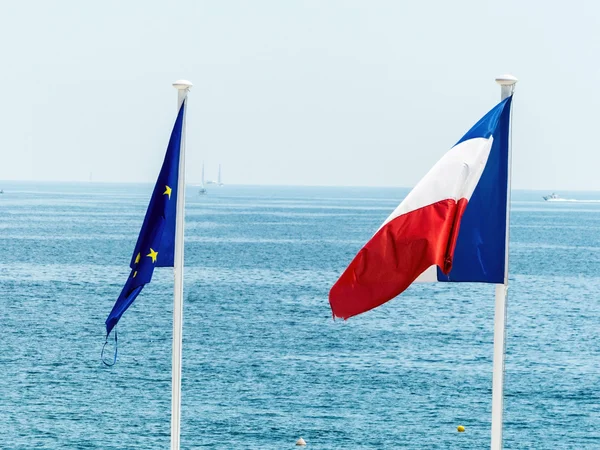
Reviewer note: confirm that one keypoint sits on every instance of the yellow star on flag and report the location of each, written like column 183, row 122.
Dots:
column 152, row 255
column 137, row 259
column 134, row 274
column 167, row 192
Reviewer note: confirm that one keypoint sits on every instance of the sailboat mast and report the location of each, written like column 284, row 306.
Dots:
column 182, row 87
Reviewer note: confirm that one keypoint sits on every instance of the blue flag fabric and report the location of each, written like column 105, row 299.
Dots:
column 480, row 253
column 155, row 246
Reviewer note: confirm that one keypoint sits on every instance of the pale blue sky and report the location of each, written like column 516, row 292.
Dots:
column 295, row 92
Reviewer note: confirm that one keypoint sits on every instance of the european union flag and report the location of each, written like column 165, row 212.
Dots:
column 155, row 246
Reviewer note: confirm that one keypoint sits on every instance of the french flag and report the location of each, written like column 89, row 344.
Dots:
column 450, row 228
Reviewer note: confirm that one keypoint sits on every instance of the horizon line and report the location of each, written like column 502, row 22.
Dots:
column 197, row 184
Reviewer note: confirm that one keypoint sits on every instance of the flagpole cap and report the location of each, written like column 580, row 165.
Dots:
column 182, row 85
column 506, row 80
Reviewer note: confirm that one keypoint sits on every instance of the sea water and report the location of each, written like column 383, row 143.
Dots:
column 263, row 361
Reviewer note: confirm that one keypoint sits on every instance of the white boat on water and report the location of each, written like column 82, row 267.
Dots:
column 552, row 197
column 555, row 198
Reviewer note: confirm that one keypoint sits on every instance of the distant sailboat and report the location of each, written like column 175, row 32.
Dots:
column 202, row 190
column 219, row 181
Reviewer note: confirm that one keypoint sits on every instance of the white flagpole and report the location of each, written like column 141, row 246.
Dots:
column 507, row 84
column 182, row 87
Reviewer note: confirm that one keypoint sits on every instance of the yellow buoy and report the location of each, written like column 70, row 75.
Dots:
column 301, row 442
column 460, row 428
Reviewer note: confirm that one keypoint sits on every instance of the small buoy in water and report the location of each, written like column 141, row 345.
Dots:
column 300, row 442
column 460, row 429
